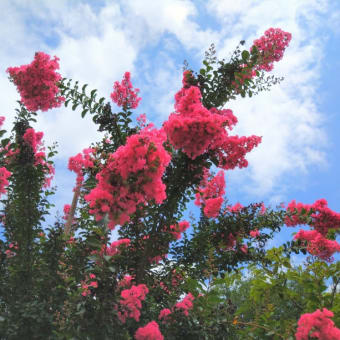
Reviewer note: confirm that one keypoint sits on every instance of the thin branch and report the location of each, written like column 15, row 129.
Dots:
column 68, row 225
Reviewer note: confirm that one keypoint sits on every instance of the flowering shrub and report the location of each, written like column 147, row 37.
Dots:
column 132, row 176
column 271, row 47
column 317, row 325
column 162, row 277
column 37, row 82
column 124, row 94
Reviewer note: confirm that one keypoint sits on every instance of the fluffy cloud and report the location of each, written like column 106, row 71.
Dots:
column 287, row 117
column 98, row 41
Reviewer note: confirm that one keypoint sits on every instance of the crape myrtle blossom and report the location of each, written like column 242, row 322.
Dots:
column 80, row 162
column 196, row 130
column 37, row 82
column 131, row 302
column 131, row 177
column 319, row 217
column 89, row 282
column 124, row 94
column 317, row 325
column 113, row 249
column 186, row 304
column 210, row 194
column 4, row 174
column 34, row 140
column 177, row 229
column 318, row 245
column 271, row 47
column 149, row 332
column 182, row 306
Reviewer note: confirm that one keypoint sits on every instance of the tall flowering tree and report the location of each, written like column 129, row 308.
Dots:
column 161, row 279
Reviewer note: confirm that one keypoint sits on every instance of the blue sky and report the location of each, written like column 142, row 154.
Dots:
column 97, row 41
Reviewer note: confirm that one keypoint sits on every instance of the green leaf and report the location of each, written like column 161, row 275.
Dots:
column 245, row 55
column 84, row 113
column 93, row 93
column 74, row 106
column 67, row 101
column 83, row 88
column 4, row 142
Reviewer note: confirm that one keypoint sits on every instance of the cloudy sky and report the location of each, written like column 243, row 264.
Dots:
column 97, row 41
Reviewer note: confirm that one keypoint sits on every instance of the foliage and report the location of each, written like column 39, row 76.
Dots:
column 217, row 280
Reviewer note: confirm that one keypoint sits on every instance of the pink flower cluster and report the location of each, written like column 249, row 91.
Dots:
column 125, row 282
column 317, row 325
column 90, row 281
column 210, row 194
column 34, row 139
column 131, row 302
column 132, row 176
column 271, row 47
column 36, row 82
column 183, row 306
column 197, row 130
column 318, row 245
column 186, row 304
column 177, row 229
column 9, row 252
column 149, row 332
column 235, row 208
column 4, row 174
column 321, row 219
column 254, row 233
column 113, row 249
column 124, row 94
column 79, row 162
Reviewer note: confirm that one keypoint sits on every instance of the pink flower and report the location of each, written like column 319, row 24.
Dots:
column 114, row 247
column 263, row 209
column 164, row 313
column 271, row 47
column 177, row 230
column 94, row 284
column 124, row 94
column 321, row 217
column 33, row 138
column 131, row 302
column 149, row 332
column 210, row 194
column 254, row 233
column 186, row 304
column 80, row 162
column 131, row 177
column 37, row 82
column 2, row 119
column 235, row 208
column 317, row 325
column 244, row 249
column 4, row 174
column 126, row 281
column 196, row 130
column 318, row 245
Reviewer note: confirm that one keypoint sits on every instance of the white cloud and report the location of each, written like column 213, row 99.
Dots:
column 97, row 43
column 287, row 117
